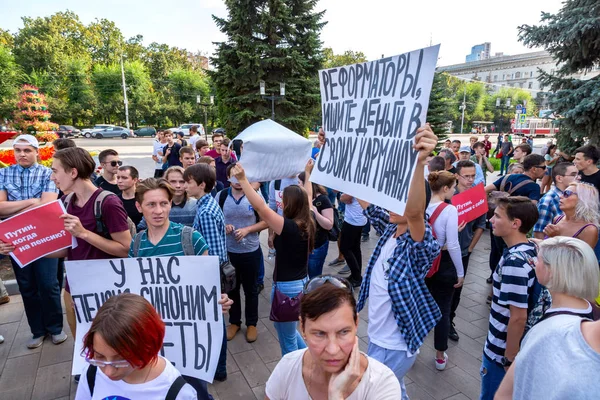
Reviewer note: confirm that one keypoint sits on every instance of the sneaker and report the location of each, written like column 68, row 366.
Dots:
column 364, row 238
column 452, row 334
column 76, row 377
column 488, row 300
column 355, row 284
column 221, row 377
column 4, row 299
column 60, row 338
column 232, row 330
column 1, row 339
column 489, row 280
column 345, row 270
column 440, row 365
column 336, row 262
column 34, row 343
column 251, row 334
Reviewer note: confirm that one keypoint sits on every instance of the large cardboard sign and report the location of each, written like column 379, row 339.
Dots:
column 36, row 232
column 470, row 204
column 371, row 112
column 184, row 290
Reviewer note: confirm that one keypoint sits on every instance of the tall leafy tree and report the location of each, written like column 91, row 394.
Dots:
column 10, row 76
column 572, row 37
column 332, row 60
column 437, row 113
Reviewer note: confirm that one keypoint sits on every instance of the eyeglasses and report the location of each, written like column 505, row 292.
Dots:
column 103, row 364
column 114, row 163
column 319, row 281
column 573, row 175
column 540, row 166
column 568, row 193
column 467, row 177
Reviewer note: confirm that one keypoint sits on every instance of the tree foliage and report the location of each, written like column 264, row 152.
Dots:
column 332, row 60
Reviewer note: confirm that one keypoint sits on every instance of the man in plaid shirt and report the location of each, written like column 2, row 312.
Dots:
column 23, row 186
column 401, row 309
column 563, row 175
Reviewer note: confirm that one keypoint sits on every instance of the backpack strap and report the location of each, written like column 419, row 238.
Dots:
column 187, row 242
column 91, row 378
column 175, row 388
column 98, row 210
column 223, row 197
column 503, row 182
column 437, row 212
column 137, row 240
column 68, row 200
column 520, row 185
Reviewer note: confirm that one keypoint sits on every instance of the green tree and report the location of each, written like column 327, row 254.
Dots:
column 332, row 60
column 437, row 113
column 80, row 92
column 6, row 39
column 10, row 76
column 572, row 37
column 105, row 41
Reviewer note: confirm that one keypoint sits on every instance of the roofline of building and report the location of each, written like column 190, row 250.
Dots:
column 497, row 60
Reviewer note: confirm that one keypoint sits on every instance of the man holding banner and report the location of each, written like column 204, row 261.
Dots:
column 22, row 186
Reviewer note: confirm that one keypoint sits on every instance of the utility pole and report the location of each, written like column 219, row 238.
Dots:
column 462, row 107
column 125, row 93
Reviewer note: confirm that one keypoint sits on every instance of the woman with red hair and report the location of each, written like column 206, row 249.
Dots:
column 122, row 349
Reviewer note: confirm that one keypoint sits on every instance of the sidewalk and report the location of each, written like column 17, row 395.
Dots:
column 44, row 373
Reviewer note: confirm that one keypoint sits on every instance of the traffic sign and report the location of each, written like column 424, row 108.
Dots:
column 523, row 110
column 519, row 106
column 522, row 119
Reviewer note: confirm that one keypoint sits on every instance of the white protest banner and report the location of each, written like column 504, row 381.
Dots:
column 184, row 291
column 272, row 151
column 371, row 112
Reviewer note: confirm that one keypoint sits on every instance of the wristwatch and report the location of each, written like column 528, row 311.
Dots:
column 505, row 362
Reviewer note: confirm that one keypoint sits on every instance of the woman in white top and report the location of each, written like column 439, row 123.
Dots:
column 122, row 348
column 332, row 367
column 451, row 273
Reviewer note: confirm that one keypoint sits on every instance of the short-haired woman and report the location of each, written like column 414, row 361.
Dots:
column 122, row 349
column 332, row 367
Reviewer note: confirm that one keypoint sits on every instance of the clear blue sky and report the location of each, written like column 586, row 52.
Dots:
column 375, row 27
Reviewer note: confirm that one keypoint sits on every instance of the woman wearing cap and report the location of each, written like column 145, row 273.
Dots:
column 332, row 366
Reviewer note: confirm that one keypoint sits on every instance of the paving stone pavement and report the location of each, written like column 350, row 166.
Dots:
column 44, row 373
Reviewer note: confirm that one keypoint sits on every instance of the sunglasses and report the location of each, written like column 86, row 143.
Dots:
column 540, row 166
column 568, row 193
column 320, row 280
column 467, row 177
column 115, row 163
column 102, row 364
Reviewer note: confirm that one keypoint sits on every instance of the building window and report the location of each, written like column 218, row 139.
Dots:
column 530, row 85
column 531, row 74
column 495, row 78
column 518, row 75
column 520, row 84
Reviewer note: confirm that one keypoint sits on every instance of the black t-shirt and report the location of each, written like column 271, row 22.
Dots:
column 131, row 209
column 104, row 184
column 322, row 203
column 173, row 157
column 593, row 179
column 291, row 258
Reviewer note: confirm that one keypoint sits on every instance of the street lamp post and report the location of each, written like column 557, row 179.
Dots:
column 462, row 108
column 205, row 105
column 272, row 97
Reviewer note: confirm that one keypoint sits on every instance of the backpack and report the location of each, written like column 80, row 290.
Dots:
column 174, row 390
column 186, row 242
column 334, row 233
column 497, row 194
column 223, row 197
column 101, row 228
column 435, row 265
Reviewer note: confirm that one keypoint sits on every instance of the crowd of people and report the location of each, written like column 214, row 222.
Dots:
column 544, row 277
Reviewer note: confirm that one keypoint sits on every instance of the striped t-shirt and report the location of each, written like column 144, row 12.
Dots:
column 513, row 279
column 170, row 244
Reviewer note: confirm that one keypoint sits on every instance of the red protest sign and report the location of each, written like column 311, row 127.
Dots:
column 470, row 204
column 36, row 232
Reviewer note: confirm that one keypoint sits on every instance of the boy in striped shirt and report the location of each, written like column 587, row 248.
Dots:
column 514, row 277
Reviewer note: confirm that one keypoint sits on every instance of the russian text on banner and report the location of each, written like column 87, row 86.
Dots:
column 371, row 113
column 470, row 204
column 184, row 290
column 36, row 232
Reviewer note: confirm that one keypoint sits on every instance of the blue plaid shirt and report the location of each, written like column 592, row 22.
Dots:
column 26, row 183
column 548, row 208
column 415, row 310
column 210, row 222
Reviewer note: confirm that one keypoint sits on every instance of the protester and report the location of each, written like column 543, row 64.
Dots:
column 513, row 280
column 563, row 174
column 507, row 151
column 472, row 141
column 551, row 158
column 401, row 309
column 222, row 162
column 336, row 367
column 465, row 155
column 217, row 139
column 63, row 143
column 455, row 147
column 294, row 240
column 448, row 144
column 488, row 145
column 243, row 227
column 450, row 274
column 515, row 168
column 481, row 159
column 468, row 237
column 586, row 159
column 127, row 179
column 180, row 139
column 122, row 348
column 354, row 221
column 202, row 148
column 545, row 147
column 323, row 214
column 449, row 158
column 211, row 163
column 521, row 151
column 109, row 160
column 580, row 206
column 187, row 157
column 437, row 163
column 276, row 189
column 158, row 145
column 170, row 152
column 560, row 342
column 23, row 186
column 194, row 136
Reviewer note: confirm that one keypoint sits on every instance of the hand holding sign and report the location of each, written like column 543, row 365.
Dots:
column 425, row 142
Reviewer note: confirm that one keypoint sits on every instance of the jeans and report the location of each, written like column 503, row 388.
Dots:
column 442, row 291
column 366, row 229
column 504, row 163
column 289, row 337
column 260, row 280
column 458, row 291
column 491, row 376
column 38, row 284
column 246, row 270
column 350, row 248
column 60, row 274
column 222, row 364
column 396, row 360
column 316, row 259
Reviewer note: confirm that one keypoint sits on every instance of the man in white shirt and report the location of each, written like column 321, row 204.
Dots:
column 194, row 137
column 157, row 154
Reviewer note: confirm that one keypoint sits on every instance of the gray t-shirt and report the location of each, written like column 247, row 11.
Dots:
column 506, row 147
column 240, row 214
column 276, row 195
column 555, row 362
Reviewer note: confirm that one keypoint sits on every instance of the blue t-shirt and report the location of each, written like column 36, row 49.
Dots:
column 170, row 244
column 531, row 190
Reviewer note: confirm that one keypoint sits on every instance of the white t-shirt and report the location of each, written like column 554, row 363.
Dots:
column 158, row 146
column 446, row 232
column 354, row 214
column 383, row 329
column 156, row 389
column 192, row 141
column 286, row 382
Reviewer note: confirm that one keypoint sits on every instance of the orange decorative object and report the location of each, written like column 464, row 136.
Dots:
column 7, row 157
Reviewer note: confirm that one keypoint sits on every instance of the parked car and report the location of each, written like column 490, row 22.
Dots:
column 112, row 132
column 88, row 131
column 145, row 131
column 185, row 128
column 65, row 131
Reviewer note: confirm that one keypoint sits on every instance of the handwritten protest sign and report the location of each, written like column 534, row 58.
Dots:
column 36, row 232
column 470, row 204
column 371, row 112
column 272, row 151
column 184, row 291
